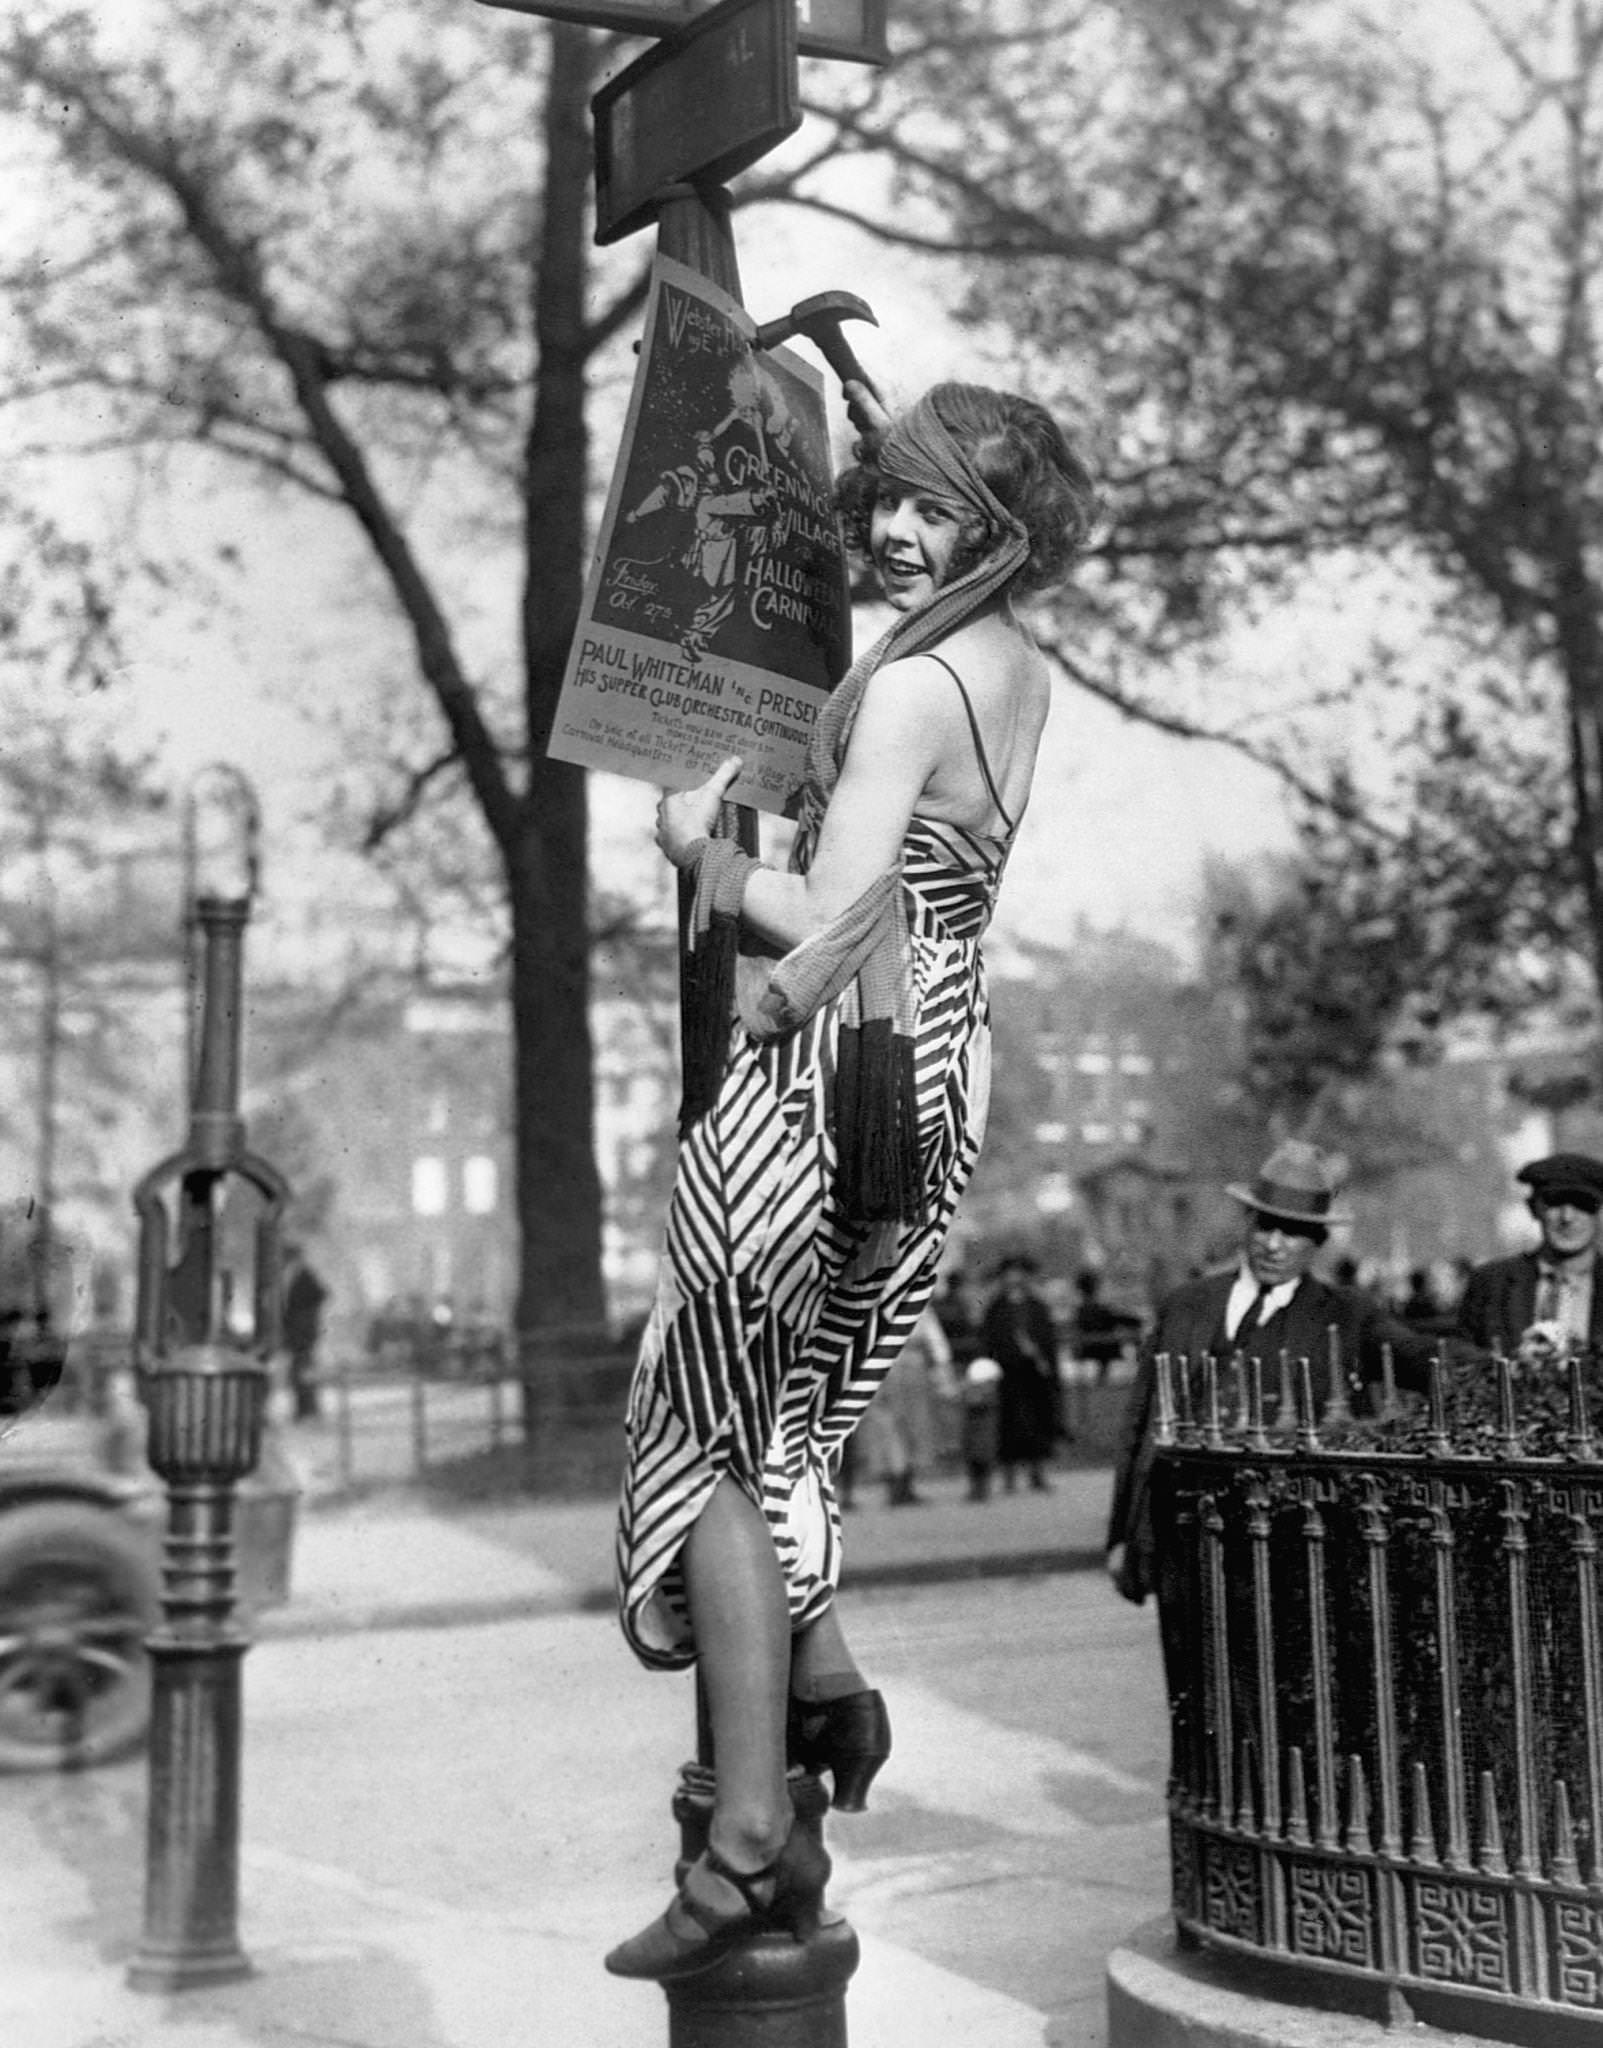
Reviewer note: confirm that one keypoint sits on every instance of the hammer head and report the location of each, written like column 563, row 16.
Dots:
column 824, row 310
column 818, row 320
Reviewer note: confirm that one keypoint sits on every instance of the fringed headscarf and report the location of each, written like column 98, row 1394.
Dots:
column 879, row 1172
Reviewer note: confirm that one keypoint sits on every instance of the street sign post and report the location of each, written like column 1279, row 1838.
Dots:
column 720, row 89
column 702, row 106
column 852, row 29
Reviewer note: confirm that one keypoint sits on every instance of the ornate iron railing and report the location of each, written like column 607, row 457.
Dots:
column 1384, row 1649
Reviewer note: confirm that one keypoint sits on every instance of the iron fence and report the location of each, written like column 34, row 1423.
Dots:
column 1384, row 1652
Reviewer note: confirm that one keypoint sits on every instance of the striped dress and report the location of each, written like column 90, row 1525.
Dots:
column 776, row 1316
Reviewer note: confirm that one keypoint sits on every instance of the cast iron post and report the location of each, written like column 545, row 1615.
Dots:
column 202, row 1360
column 769, row 1988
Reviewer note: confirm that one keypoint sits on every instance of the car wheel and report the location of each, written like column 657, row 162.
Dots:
column 79, row 1593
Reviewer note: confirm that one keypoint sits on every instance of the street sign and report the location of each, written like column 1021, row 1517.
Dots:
column 706, row 103
column 853, row 29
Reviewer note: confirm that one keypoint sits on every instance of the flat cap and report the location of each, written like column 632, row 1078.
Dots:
column 1564, row 1173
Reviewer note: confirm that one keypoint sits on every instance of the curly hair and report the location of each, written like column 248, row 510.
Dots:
column 1026, row 459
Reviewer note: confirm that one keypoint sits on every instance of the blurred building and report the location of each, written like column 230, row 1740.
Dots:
column 398, row 1116
column 1118, row 1122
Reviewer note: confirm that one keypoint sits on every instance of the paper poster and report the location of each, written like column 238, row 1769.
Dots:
column 716, row 615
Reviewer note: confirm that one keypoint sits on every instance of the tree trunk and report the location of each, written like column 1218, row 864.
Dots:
column 559, row 1189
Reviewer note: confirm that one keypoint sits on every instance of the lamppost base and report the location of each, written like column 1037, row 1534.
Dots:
column 770, row 1992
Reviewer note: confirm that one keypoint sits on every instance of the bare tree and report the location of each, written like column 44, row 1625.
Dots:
column 1329, row 280
column 332, row 260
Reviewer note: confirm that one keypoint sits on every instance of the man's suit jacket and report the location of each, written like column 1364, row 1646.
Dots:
column 1499, row 1303
column 1191, row 1324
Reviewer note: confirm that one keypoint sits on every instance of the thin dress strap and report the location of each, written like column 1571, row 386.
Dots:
column 979, row 744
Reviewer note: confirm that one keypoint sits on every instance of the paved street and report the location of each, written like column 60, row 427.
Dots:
column 445, row 1826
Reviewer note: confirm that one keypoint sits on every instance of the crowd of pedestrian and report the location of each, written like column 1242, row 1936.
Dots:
column 983, row 1385
column 986, row 1384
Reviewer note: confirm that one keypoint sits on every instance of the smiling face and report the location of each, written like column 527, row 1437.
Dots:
column 913, row 535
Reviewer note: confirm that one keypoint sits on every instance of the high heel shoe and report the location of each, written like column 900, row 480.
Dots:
column 695, row 1931
column 850, row 1737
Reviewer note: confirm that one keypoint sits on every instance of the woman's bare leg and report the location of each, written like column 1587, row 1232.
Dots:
column 741, row 1620
column 821, row 1664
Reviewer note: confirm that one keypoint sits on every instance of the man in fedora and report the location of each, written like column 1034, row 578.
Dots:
column 1547, row 1301
column 1268, row 1303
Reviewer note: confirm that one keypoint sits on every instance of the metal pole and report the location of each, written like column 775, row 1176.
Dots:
column 206, row 1397
column 785, row 1993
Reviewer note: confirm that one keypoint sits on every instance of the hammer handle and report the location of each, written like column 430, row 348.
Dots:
column 837, row 351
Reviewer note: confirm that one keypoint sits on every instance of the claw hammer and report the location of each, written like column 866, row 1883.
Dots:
column 818, row 320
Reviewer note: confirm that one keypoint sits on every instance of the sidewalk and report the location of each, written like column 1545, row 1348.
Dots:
column 365, row 1919
column 385, row 1561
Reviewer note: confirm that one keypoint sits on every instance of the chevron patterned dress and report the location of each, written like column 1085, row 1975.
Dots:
column 777, row 1317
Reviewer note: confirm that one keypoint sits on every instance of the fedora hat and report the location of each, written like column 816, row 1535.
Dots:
column 1297, row 1181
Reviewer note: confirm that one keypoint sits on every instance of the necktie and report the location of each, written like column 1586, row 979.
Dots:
column 1255, row 1313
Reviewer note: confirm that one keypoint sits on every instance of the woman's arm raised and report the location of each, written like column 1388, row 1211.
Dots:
column 901, row 727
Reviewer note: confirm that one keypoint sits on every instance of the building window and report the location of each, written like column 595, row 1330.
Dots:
column 479, row 1185
column 1096, row 1134
column 429, row 1186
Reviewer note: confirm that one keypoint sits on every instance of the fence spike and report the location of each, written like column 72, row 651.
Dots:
column 1337, row 1407
column 1257, row 1435
column 1492, row 1860
column 1508, row 1436
column 1307, row 1415
column 1286, row 1399
column 1186, row 1414
column 1563, row 1867
column 1579, row 1442
column 1296, row 1799
column 1437, row 1443
column 1212, row 1433
column 1356, row 1833
column 1422, row 1844
column 1163, row 1432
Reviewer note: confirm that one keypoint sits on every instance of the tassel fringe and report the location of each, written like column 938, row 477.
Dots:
column 706, row 1007
column 878, row 1171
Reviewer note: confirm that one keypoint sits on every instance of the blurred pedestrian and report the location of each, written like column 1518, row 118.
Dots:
column 982, row 1407
column 1419, row 1305
column 1545, row 1302
column 897, row 1437
column 1017, row 1331
column 302, row 1329
column 1100, row 1332
column 959, row 1315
